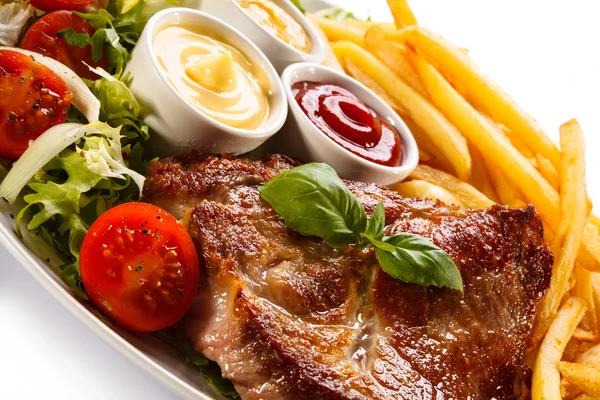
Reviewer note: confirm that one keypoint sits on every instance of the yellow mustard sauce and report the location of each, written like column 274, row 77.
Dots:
column 213, row 76
column 277, row 21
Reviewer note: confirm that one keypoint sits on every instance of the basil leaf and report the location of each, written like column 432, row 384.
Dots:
column 376, row 223
column 75, row 39
column 338, row 14
column 299, row 6
column 417, row 260
column 314, row 201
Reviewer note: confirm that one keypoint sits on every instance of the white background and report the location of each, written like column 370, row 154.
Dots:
column 546, row 53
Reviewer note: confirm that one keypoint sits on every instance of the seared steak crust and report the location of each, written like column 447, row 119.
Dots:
column 288, row 317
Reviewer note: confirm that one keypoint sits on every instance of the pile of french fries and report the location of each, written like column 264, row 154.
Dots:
column 479, row 148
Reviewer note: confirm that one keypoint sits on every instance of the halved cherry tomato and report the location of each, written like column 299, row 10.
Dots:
column 32, row 99
column 42, row 38
column 55, row 5
column 139, row 266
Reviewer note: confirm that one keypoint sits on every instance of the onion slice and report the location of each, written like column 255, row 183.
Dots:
column 83, row 98
column 41, row 151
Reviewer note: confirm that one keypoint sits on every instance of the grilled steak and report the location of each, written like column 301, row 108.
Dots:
column 287, row 317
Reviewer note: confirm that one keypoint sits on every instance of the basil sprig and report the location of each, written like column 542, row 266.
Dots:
column 314, row 201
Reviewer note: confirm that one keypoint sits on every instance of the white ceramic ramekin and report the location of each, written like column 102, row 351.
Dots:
column 177, row 125
column 300, row 138
column 279, row 52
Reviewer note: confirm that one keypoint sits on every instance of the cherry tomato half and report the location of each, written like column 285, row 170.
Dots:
column 55, row 5
column 140, row 267
column 32, row 99
column 42, row 38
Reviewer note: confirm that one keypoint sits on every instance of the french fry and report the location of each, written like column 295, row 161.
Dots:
column 572, row 223
column 388, row 27
column 426, row 190
column 507, row 193
column 498, row 104
column 467, row 194
column 403, row 15
column 480, row 178
column 340, row 30
column 584, row 377
column 354, row 71
column 513, row 164
column 485, row 137
column 545, row 383
column 548, row 171
column 584, row 290
column 425, row 157
column 394, row 56
column 424, row 142
column 596, row 294
column 330, row 58
column 442, row 133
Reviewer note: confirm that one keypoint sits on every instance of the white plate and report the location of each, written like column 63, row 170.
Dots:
column 161, row 361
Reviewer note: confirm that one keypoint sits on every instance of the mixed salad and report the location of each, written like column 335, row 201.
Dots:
column 73, row 137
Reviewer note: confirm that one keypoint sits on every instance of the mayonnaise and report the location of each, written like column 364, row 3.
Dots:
column 213, row 76
column 277, row 21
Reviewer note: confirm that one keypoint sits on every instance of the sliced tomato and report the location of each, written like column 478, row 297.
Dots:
column 139, row 266
column 32, row 99
column 55, row 5
column 42, row 38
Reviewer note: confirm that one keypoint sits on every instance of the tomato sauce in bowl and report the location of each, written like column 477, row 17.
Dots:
column 349, row 122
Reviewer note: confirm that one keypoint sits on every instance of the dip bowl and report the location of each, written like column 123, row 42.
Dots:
column 177, row 125
column 302, row 139
column 279, row 52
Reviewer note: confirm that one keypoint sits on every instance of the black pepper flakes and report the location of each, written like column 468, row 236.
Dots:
column 138, row 268
column 12, row 116
column 36, row 106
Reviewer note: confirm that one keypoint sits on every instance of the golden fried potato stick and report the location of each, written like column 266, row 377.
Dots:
column 584, row 289
column 388, row 27
column 498, row 104
column 480, row 177
column 395, row 56
column 467, row 194
column 548, row 171
column 508, row 194
column 403, row 15
column 545, row 383
column 572, row 223
column 354, row 71
column 514, row 165
column 340, row 30
column 442, row 133
column 584, row 377
column 330, row 58
column 485, row 137
column 427, row 190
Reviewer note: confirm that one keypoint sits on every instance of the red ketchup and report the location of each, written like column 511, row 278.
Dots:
column 349, row 122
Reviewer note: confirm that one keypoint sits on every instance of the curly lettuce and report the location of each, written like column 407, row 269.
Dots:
column 13, row 18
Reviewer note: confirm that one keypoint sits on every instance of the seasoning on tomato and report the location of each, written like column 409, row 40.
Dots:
column 32, row 99
column 349, row 122
column 140, row 267
column 43, row 38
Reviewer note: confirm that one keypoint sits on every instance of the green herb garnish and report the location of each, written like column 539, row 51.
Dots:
column 314, row 201
column 75, row 39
